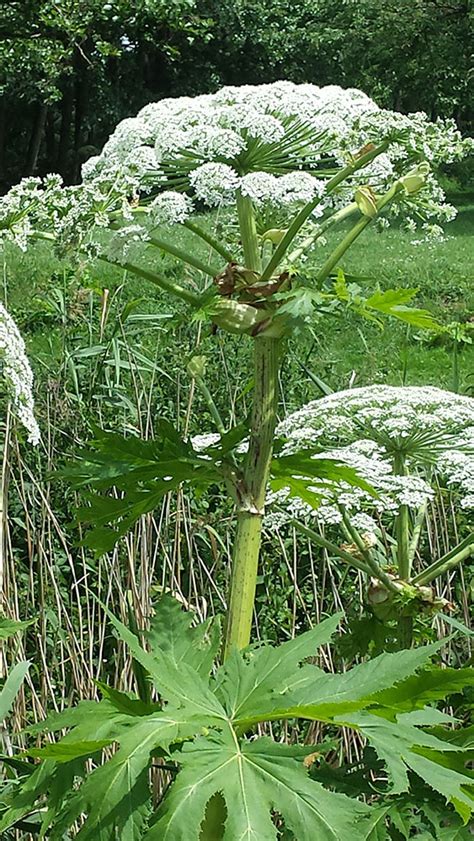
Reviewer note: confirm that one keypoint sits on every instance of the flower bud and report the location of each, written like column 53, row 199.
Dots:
column 275, row 235
column 236, row 317
column 415, row 179
column 366, row 201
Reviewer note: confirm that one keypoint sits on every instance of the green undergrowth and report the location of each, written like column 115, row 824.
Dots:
column 62, row 311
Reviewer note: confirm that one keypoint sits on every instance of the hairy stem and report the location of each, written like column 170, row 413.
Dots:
column 416, row 531
column 404, row 555
column 256, row 472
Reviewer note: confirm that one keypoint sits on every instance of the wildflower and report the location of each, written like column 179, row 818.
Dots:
column 214, row 183
column 366, row 428
column 18, row 374
column 170, row 208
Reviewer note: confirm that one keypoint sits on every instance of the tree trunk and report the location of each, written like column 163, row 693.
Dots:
column 36, row 139
column 65, row 132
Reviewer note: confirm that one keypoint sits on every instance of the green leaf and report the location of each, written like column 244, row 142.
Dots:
column 172, row 631
column 9, row 627
column 116, row 795
column 402, row 746
column 11, row 687
column 387, row 303
column 178, row 683
column 300, row 303
column 260, row 672
column 65, row 751
column 255, row 778
column 92, row 722
column 125, row 702
column 203, row 728
column 392, row 302
column 311, row 693
column 142, row 471
column 430, row 685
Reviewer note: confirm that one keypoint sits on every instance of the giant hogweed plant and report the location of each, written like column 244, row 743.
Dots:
column 288, row 163
column 413, row 444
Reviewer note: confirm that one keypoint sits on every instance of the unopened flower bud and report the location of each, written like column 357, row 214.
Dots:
column 236, row 317
column 366, row 201
column 197, row 366
column 275, row 235
column 415, row 179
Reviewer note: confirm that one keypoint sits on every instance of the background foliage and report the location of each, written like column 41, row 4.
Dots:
column 69, row 71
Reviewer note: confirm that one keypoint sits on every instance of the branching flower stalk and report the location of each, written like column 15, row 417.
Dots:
column 267, row 354
column 408, row 442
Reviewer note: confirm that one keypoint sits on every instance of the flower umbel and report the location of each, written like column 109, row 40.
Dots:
column 368, row 429
column 18, row 374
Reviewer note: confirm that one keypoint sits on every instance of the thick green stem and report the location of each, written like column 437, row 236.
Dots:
column 256, row 472
column 461, row 552
column 402, row 528
column 248, row 233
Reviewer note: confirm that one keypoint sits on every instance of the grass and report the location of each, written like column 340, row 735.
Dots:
column 47, row 300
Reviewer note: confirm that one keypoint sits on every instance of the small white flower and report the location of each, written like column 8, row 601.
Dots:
column 18, row 374
column 170, row 208
column 214, row 183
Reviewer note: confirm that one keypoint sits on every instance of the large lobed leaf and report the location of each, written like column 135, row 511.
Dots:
column 256, row 779
column 206, row 726
column 141, row 472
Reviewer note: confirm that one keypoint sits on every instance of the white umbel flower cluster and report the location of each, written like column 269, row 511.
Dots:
column 216, row 143
column 18, row 374
column 366, row 428
column 277, row 144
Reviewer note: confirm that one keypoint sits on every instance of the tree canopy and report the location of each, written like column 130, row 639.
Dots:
column 70, row 70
